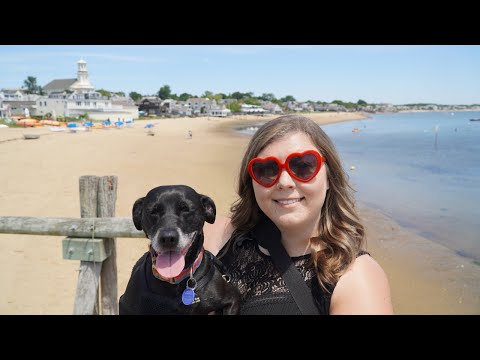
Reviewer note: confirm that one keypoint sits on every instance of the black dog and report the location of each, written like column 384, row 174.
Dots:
column 184, row 278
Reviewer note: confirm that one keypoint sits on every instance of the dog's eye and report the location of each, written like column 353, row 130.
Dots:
column 157, row 211
column 184, row 207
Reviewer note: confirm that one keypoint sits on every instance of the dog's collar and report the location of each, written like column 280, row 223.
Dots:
column 180, row 277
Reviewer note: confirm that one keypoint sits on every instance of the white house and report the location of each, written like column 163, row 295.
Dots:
column 4, row 110
column 219, row 111
column 201, row 105
column 252, row 109
column 75, row 97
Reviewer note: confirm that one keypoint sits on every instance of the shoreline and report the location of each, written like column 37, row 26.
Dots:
column 434, row 271
column 42, row 180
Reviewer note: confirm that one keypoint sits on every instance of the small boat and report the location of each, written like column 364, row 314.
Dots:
column 58, row 128
column 355, row 130
column 31, row 136
column 28, row 122
column 78, row 128
column 50, row 122
column 474, row 119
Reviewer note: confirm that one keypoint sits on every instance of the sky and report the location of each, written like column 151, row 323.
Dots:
column 395, row 74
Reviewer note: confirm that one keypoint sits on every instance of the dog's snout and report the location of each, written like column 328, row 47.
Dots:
column 168, row 238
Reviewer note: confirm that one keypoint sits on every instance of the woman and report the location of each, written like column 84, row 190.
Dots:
column 291, row 173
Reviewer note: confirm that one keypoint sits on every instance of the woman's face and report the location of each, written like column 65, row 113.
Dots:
column 290, row 203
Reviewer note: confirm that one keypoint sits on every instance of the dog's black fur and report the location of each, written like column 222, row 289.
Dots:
column 172, row 217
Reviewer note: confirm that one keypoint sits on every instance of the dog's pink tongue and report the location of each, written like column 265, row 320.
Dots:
column 169, row 264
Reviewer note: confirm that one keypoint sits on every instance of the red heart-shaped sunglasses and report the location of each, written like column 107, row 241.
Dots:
column 301, row 166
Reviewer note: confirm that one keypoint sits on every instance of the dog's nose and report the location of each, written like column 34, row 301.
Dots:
column 168, row 238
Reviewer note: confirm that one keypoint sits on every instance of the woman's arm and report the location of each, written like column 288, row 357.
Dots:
column 217, row 234
column 363, row 289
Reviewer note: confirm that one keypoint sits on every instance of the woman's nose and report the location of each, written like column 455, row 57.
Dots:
column 285, row 180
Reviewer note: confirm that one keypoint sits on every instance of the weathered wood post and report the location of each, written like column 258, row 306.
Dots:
column 86, row 296
column 97, row 199
column 106, row 198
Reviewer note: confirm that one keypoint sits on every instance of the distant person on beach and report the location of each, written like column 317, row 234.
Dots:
column 295, row 200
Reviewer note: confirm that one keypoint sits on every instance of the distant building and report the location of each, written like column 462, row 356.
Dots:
column 252, row 109
column 75, row 97
column 4, row 110
column 150, row 105
column 80, row 85
column 13, row 94
column 220, row 111
column 271, row 108
column 59, row 86
column 15, row 101
column 200, row 105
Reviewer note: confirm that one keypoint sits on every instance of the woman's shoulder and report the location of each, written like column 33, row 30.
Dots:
column 217, row 234
column 362, row 289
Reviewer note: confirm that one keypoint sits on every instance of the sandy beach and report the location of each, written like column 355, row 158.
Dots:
column 40, row 178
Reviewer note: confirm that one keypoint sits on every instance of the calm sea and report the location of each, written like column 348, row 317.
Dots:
column 421, row 169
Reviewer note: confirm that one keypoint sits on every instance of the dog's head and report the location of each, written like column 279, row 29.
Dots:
column 172, row 217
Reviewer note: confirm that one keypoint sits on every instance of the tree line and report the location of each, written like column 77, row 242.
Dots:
column 165, row 92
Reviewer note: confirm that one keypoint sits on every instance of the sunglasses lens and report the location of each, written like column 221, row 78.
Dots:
column 303, row 166
column 265, row 172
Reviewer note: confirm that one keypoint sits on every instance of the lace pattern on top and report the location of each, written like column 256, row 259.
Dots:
column 258, row 280
column 254, row 273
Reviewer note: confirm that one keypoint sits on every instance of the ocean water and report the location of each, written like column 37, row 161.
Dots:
column 421, row 169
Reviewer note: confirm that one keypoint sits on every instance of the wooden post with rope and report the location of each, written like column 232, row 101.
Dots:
column 97, row 199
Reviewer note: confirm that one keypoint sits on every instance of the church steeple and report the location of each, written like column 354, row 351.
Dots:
column 82, row 84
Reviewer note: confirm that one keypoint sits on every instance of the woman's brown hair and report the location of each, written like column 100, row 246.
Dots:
column 341, row 235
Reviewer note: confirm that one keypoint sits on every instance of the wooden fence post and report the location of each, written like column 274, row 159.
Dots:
column 86, row 297
column 107, row 196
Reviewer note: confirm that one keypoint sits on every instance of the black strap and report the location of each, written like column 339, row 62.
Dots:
column 269, row 237
column 209, row 271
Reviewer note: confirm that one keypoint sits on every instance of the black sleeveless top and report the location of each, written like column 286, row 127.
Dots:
column 262, row 288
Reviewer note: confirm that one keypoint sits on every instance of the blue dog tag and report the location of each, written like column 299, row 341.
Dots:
column 188, row 296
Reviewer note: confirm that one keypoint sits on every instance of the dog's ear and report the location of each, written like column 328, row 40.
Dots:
column 209, row 207
column 137, row 213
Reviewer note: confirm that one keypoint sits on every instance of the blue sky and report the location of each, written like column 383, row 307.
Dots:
column 395, row 74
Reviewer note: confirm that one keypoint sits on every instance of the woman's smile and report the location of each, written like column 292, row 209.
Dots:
column 288, row 202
